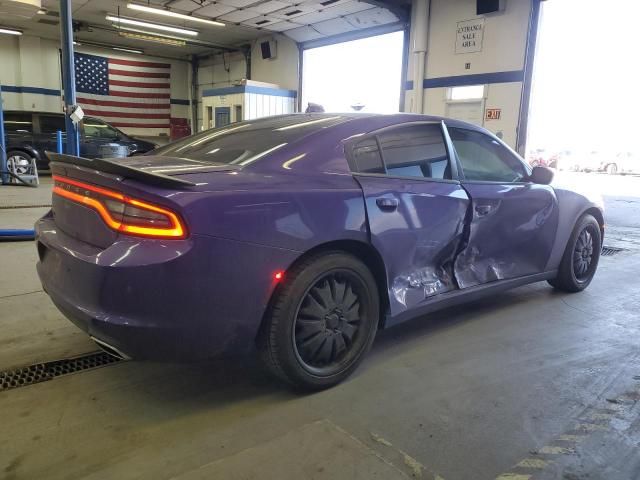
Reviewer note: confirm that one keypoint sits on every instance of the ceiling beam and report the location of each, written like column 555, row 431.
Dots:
column 399, row 8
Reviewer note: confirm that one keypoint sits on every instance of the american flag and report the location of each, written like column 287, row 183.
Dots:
column 124, row 93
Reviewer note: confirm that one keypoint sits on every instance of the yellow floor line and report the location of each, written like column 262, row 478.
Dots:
column 532, row 463
column 513, row 476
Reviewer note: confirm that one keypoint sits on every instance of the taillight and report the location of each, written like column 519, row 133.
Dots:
column 120, row 212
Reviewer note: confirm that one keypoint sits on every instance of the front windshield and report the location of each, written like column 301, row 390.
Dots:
column 245, row 142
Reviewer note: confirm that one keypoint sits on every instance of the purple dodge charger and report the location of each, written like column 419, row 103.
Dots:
column 301, row 235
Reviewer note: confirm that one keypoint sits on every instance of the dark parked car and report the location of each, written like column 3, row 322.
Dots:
column 302, row 235
column 30, row 134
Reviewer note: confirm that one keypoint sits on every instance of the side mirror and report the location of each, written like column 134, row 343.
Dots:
column 541, row 175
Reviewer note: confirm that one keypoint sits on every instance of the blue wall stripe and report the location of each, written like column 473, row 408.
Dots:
column 37, row 90
column 475, row 79
column 277, row 92
column 56, row 93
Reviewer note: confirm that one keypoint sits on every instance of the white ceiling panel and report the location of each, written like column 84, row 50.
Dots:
column 185, row 5
column 304, row 34
column 260, row 22
column 371, row 18
column 281, row 26
column 238, row 16
column 333, row 26
column 351, row 6
column 270, row 6
column 238, row 3
column 214, row 10
column 316, row 17
column 293, row 11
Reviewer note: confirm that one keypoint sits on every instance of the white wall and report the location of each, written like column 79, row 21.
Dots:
column 29, row 61
column 503, row 50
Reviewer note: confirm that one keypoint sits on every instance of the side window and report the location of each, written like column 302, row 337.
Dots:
column 367, row 156
column 18, row 123
column 415, row 151
column 485, row 159
column 97, row 129
column 51, row 123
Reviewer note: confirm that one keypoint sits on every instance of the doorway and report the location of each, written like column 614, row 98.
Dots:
column 359, row 75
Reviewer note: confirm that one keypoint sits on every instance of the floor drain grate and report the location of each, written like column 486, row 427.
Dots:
column 41, row 372
column 608, row 251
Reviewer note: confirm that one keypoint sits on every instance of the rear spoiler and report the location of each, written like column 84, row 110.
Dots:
column 109, row 166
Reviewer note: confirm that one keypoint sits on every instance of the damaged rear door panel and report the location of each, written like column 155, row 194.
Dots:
column 416, row 210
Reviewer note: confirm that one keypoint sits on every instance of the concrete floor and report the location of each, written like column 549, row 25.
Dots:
column 530, row 384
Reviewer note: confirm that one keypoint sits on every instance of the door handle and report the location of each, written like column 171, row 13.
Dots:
column 387, row 204
column 483, row 210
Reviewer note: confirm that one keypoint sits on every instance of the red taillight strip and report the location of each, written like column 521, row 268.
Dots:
column 176, row 231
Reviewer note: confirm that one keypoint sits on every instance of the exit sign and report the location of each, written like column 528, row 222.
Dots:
column 492, row 114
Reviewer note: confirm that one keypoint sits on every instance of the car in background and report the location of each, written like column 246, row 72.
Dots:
column 625, row 162
column 300, row 236
column 542, row 158
column 30, row 134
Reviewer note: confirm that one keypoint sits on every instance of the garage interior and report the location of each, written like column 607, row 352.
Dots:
column 532, row 383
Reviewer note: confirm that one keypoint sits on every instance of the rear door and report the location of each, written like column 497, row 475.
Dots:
column 415, row 208
column 49, row 125
column 514, row 221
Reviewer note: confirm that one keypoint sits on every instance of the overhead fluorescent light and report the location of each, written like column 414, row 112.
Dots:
column 154, row 39
column 147, row 32
column 10, row 31
column 169, row 13
column 128, row 50
column 156, row 26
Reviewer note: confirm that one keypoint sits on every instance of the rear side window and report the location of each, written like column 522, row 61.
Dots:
column 415, row 151
column 18, row 123
column 51, row 123
column 407, row 151
column 367, row 156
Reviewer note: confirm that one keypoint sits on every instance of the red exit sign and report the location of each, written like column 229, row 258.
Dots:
column 492, row 114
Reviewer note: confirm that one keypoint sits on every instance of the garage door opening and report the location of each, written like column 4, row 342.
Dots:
column 360, row 75
column 585, row 100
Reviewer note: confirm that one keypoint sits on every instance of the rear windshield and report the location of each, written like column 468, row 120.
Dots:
column 246, row 142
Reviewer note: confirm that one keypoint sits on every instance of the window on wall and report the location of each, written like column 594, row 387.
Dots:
column 470, row 92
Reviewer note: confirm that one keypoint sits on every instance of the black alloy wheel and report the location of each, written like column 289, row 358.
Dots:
column 321, row 322
column 327, row 322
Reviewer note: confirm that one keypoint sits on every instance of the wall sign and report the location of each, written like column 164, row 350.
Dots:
column 492, row 113
column 469, row 36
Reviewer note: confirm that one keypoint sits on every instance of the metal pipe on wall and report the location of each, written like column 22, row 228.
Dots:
column 420, row 26
column 3, row 145
column 68, row 76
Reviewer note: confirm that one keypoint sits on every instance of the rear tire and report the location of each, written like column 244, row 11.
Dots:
column 322, row 321
column 580, row 260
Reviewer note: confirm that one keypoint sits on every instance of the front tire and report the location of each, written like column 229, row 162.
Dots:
column 322, row 321
column 19, row 162
column 580, row 260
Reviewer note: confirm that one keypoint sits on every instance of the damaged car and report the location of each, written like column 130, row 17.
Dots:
column 300, row 236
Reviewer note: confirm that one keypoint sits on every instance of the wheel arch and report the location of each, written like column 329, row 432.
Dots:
column 32, row 152
column 365, row 252
column 597, row 214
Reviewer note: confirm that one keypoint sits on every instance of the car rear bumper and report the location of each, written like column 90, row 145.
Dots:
column 161, row 300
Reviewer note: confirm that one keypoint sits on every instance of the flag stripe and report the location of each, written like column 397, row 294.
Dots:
column 121, row 83
column 132, row 63
column 121, row 114
column 138, row 125
column 113, row 93
column 131, row 73
column 128, row 105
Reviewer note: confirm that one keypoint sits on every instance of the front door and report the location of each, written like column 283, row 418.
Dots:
column 513, row 221
column 415, row 210
column 223, row 116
